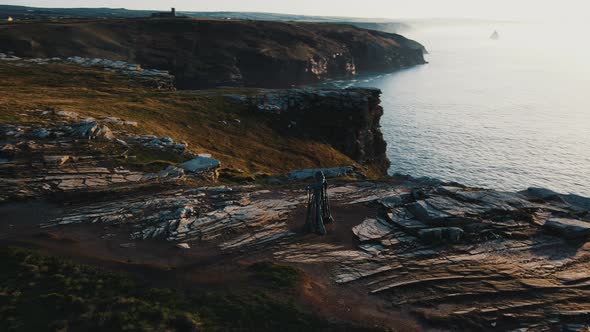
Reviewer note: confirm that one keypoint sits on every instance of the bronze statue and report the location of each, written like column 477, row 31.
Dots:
column 318, row 206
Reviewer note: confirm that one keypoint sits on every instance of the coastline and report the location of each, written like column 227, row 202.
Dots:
column 238, row 53
column 196, row 189
column 453, row 120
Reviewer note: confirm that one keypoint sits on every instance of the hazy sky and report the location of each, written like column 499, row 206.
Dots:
column 491, row 9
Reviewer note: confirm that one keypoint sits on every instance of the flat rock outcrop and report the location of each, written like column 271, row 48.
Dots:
column 57, row 153
column 200, row 163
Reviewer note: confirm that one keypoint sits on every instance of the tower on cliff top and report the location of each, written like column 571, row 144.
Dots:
column 171, row 13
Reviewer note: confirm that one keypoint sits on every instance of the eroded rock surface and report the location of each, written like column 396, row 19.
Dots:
column 466, row 259
column 234, row 217
column 152, row 78
column 58, row 153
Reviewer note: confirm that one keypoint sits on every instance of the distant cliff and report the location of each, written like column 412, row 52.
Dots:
column 208, row 53
column 347, row 120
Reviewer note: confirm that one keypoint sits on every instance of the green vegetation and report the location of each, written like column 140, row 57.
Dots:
column 276, row 275
column 235, row 175
column 40, row 293
column 151, row 160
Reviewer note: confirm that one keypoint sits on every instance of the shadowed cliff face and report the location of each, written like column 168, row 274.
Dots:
column 347, row 120
column 206, row 53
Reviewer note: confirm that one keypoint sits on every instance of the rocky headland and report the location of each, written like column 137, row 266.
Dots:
column 206, row 190
column 61, row 151
column 205, row 53
column 347, row 119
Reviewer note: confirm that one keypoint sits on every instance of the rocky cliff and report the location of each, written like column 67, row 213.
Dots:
column 348, row 119
column 205, row 53
column 118, row 175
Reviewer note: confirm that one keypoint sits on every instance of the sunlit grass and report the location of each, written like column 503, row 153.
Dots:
column 203, row 119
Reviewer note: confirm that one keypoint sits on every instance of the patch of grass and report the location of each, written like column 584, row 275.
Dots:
column 40, row 293
column 152, row 160
column 232, row 175
column 136, row 157
column 10, row 117
column 276, row 275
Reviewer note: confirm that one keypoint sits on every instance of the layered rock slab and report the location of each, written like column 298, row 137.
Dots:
column 64, row 151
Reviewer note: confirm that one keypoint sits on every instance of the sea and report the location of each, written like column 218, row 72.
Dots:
column 506, row 114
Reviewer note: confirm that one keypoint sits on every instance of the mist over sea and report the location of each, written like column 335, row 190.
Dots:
column 505, row 114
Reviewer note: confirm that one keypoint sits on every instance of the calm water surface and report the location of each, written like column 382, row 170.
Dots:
column 505, row 114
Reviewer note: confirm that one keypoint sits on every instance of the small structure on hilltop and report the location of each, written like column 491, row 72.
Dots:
column 318, row 206
column 171, row 13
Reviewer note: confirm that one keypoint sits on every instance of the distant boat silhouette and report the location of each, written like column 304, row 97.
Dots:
column 495, row 35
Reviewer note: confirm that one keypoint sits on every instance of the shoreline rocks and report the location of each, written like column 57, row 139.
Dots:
column 499, row 257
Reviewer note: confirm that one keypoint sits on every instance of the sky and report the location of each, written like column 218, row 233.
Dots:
column 561, row 10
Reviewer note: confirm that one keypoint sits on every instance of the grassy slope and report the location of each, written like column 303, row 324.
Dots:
column 195, row 117
column 46, row 293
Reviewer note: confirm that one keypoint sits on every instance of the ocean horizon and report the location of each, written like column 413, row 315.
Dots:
column 506, row 114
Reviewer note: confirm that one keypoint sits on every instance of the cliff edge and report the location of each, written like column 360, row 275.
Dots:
column 347, row 120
